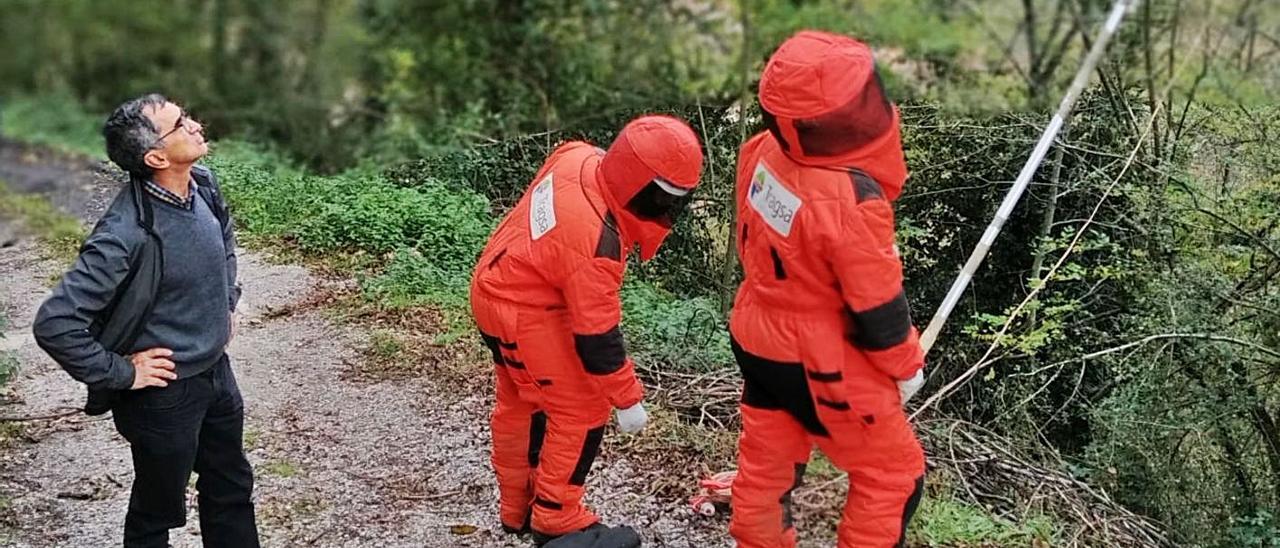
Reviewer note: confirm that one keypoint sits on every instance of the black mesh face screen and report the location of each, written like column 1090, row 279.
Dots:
column 653, row 203
column 862, row 120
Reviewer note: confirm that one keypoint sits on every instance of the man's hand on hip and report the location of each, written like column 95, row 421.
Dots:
column 152, row 367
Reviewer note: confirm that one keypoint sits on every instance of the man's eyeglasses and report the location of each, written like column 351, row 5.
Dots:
column 184, row 122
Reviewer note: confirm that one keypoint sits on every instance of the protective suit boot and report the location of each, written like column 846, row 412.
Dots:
column 594, row 536
column 524, row 528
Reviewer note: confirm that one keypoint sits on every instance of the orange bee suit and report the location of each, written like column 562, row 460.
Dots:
column 545, row 297
column 820, row 326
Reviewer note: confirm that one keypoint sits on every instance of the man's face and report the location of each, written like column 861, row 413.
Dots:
column 181, row 138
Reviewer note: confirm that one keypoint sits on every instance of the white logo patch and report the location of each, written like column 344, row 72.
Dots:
column 542, row 209
column 777, row 205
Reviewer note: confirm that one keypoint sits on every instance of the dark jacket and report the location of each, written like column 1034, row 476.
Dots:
column 88, row 327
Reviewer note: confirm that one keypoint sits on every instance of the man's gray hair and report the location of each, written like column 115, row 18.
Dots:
column 130, row 134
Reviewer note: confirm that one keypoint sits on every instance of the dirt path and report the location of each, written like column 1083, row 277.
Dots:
column 339, row 461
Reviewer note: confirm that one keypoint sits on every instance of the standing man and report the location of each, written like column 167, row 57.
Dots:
column 545, row 297
column 143, row 318
column 821, row 328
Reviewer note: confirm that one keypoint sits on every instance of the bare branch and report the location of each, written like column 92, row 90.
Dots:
column 983, row 361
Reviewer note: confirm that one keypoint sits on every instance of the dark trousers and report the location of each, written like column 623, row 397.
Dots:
column 196, row 424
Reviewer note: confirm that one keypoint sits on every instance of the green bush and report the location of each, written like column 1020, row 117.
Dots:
column 666, row 330
column 1261, row 530
column 267, row 195
column 359, row 210
column 56, row 120
column 411, row 279
column 447, row 226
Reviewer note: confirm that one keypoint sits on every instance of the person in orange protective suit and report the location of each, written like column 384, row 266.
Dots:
column 545, row 297
column 820, row 326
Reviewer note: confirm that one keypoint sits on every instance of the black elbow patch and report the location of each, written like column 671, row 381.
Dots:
column 884, row 326
column 601, row 354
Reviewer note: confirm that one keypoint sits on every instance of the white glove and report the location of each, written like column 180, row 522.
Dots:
column 632, row 419
column 909, row 387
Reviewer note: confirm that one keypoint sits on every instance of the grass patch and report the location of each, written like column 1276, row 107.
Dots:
column 281, row 513
column 8, row 520
column 943, row 521
column 251, row 438
column 8, row 367
column 821, row 468
column 388, row 353
column 60, row 233
column 57, row 121
column 385, row 345
column 11, row 433
column 419, row 341
column 8, row 362
column 411, row 279
column 281, row 469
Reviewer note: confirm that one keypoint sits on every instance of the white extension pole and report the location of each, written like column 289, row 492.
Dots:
column 1118, row 11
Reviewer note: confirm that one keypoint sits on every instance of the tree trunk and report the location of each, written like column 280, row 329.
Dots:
column 1234, row 460
column 218, row 26
column 1149, row 65
column 308, row 82
column 1050, row 211
column 1262, row 422
column 1034, row 89
column 730, row 263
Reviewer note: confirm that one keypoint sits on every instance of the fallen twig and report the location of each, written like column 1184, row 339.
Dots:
column 65, row 412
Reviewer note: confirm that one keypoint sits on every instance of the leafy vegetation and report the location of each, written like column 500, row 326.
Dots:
column 56, row 121
column 946, row 522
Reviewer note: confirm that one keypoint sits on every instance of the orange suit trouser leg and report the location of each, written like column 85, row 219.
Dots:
column 576, row 415
column 781, row 423
column 517, row 423
column 772, row 453
column 548, row 422
column 886, row 478
column 574, row 433
column 886, row 467
column 518, row 428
